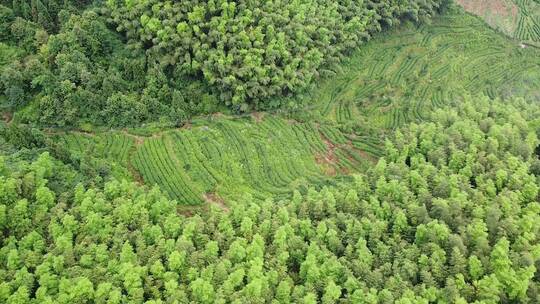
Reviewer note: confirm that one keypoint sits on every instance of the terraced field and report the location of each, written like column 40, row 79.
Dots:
column 399, row 78
column 528, row 26
column 230, row 158
column 392, row 80
column 224, row 158
column 115, row 146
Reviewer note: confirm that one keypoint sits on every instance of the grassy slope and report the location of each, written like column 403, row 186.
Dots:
column 394, row 79
column 398, row 78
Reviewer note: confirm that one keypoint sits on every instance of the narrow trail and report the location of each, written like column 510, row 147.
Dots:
column 131, row 168
column 331, row 159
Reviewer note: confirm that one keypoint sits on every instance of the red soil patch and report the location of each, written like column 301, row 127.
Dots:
column 494, row 12
column 185, row 211
column 480, row 7
column 328, row 159
column 216, row 200
column 331, row 162
column 7, row 117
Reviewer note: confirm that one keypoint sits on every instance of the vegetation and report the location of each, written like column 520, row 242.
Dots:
column 397, row 159
column 252, row 51
column 80, row 72
column 528, row 28
column 225, row 158
column 448, row 216
column 222, row 157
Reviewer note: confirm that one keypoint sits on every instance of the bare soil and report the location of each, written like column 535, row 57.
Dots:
column 330, row 161
column 501, row 14
column 7, row 117
column 216, row 200
column 257, row 116
column 139, row 140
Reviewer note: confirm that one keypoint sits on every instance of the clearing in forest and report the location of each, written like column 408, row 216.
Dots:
column 227, row 158
column 519, row 19
column 500, row 14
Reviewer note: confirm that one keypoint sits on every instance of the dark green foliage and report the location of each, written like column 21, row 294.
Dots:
column 180, row 59
column 6, row 18
column 82, row 72
column 47, row 14
column 449, row 216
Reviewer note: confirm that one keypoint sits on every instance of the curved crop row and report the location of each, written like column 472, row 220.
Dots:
column 408, row 74
column 232, row 158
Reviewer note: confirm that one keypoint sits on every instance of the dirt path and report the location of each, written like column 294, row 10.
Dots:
column 139, row 140
column 258, row 116
column 329, row 159
column 131, row 168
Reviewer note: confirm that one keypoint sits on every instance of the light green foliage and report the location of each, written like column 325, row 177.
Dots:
column 528, row 24
column 391, row 186
column 110, row 145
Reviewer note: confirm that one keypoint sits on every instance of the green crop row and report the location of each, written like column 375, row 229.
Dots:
column 233, row 158
column 408, row 74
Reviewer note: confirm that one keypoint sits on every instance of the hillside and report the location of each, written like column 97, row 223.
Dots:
column 214, row 151
column 395, row 79
column 399, row 78
column 447, row 216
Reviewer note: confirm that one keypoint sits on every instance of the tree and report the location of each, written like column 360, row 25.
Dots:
column 202, row 291
column 332, row 292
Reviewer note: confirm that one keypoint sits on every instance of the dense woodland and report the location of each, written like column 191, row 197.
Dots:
column 395, row 157
column 448, row 216
column 124, row 62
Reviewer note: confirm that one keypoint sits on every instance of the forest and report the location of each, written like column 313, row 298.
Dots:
column 140, row 61
column 219, row 151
